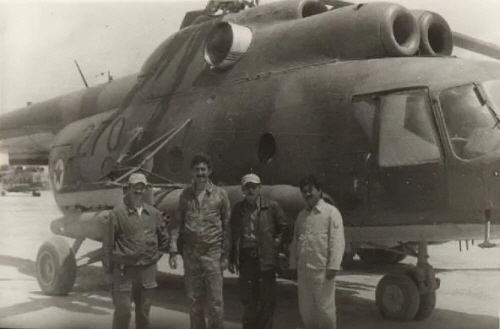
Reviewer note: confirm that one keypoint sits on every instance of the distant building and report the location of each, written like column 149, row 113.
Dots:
column 4, row 158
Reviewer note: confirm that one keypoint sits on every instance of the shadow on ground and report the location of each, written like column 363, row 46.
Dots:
column 90, row 296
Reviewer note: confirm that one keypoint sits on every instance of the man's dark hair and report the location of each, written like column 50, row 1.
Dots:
column 310, row 181
column 201, row 158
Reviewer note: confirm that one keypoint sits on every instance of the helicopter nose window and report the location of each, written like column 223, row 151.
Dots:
column 471, row 125
column 407, row 133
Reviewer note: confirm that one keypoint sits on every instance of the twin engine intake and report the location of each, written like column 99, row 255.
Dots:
column 298, row 30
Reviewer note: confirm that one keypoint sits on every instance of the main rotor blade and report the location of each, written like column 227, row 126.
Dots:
column 475, row 45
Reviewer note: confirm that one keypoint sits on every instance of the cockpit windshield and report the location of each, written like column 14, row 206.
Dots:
column 472, row 125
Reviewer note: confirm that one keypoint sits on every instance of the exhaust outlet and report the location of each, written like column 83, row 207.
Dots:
column 435, row 34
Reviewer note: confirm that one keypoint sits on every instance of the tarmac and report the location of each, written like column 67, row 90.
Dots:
column 469, row 296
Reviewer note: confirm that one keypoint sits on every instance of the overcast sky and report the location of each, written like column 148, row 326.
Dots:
column 39, row 41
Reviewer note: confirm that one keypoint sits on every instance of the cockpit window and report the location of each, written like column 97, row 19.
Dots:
column 407, row 133
column 471, row 124
column 493, row 90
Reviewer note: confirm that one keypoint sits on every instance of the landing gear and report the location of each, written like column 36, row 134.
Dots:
column 36, row 193
column 56, row 267
column 410, row 293
column 397, row 297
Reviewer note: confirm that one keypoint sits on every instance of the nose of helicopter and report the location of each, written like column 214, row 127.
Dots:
column 491, row 179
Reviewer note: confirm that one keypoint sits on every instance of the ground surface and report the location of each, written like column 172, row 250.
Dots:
column 468, row 297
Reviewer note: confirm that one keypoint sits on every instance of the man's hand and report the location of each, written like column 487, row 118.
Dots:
column 172, row 261
column 223, row 263
column 330, row 274
column 233, row 268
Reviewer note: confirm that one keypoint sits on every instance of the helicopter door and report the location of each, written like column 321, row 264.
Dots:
column 408, row 173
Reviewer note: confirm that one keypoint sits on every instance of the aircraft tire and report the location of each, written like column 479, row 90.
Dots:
column 36, row 193
column 3, row 193
column 426, row 306
column 56, row 267
column 397, row 297
column 379, row 256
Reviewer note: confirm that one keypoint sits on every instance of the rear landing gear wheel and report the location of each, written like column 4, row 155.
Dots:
column 56, row 267
column 397, row 297
column 36, row 193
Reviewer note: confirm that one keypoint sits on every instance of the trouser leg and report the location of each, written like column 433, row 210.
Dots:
column 307, row 302
column 325, row 297
column 267, row 299
column 215, row 305
column 142, row 301
column 249, row 291
column 121, row 314
column 195, row 291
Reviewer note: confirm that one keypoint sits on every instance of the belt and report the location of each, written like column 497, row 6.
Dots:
column 252, row 252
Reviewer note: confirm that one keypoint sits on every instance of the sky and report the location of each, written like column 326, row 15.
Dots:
column 40, row 40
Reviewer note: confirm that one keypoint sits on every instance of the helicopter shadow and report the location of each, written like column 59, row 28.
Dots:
column 91, row 296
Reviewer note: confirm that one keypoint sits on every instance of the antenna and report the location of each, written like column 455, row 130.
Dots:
column 81, row 74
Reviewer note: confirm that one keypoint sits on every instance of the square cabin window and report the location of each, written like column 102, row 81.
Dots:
column 407, row 134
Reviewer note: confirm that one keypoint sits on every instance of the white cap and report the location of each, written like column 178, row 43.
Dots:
column 137, row 178
column 250, row 178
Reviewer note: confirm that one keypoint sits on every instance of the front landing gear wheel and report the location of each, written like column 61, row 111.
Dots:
column 56, row 267
column 397, row 297
column 427, row 305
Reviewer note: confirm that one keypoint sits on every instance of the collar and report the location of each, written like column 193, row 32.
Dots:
column 260, row 204
column 131, row 209
column 208, row 190
column 317, row 207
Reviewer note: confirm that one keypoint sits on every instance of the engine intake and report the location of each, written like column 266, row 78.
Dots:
column 436, row 38
column 226, row 44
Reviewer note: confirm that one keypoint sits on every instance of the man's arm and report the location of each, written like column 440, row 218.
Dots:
column 175, row 224
column 226, row 227
column 336, row 240
column 161, row 232
column 293, row 247
column 233, row 249
column 280, row 222
column 108, row 240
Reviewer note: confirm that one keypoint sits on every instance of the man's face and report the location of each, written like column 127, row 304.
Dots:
column 137, row 192
column 311, row 195
column 201, row 172
column 251, row 191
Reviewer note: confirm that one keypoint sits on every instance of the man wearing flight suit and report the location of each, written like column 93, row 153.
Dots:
column 132, row 238
column 257, row 229
column 316, row 252
column 202, row 223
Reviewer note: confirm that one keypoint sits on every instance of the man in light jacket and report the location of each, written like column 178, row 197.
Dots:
column 316, row 252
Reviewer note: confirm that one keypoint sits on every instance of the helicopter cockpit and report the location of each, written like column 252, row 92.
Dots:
column 472, row 119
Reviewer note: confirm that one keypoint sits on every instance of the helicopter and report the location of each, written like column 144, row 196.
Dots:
column 404, row 136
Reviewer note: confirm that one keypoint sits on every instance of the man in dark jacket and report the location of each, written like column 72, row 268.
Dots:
column 257, row 227
column 132, row 238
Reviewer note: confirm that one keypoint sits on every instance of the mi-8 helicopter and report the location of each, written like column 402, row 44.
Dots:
column 404, row 136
